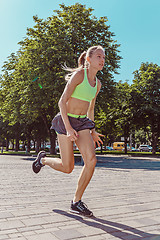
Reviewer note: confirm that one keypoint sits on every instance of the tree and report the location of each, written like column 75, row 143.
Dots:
column 106, row 124
column 146, row 98
column 33, row 79
column 123, row 111
column 143, row 136
column 117, row 120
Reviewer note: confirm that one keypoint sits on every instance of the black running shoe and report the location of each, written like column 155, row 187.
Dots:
column 80, row 208
column 36, row 166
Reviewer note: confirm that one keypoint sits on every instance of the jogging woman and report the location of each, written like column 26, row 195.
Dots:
column 75, row 123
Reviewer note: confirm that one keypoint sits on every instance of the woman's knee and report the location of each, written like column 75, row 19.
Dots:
column 91, row 162
column 68, row 168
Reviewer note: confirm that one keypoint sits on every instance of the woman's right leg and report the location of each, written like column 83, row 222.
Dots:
column 66, row 163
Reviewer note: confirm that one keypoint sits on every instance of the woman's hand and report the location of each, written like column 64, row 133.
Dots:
column 72, row 134
column 96, row 138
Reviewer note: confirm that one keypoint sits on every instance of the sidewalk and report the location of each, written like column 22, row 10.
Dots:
column 124, row 195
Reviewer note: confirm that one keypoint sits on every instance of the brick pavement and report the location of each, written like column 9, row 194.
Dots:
column 123, row 194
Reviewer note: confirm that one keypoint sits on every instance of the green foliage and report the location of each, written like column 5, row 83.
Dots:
column 146, row 83
column 143, row 136
column 146, row 98
column 33, row 79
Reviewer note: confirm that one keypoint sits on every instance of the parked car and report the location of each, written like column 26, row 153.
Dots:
column 108, row 148
column 145, row 148
column 98, row 148
column 118, row 146
column 48, row 146
column 134, row 149
column 104, row 148
column 157, row 149
column 57, row 148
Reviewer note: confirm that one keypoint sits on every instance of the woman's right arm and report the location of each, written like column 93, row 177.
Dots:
column 76, row 79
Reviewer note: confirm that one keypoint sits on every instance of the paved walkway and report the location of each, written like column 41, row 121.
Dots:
column 124, row 195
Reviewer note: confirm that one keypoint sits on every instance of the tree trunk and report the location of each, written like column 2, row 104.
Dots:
column 34, row 142
column 12, row 141
column 17, row 144
column 28, row 149
column 155, row 128
column 7, row 144
column 38, row 145
column 52, row 136
column 101, row 149
column 17, row 136
column 28, row 144
column 24, row 143
column 125, row 144
column 126, row 134
column 154, row 142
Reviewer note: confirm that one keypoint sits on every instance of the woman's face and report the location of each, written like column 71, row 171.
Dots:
column 97, row 59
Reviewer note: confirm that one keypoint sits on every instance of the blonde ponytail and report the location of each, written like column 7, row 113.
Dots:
column 82, row 59
column 82, row 62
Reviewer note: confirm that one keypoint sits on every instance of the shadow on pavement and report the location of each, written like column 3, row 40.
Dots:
column 127, row 163
column 117, row 230
column 120, row 163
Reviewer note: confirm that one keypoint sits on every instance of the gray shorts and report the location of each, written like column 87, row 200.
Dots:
column 77, row 123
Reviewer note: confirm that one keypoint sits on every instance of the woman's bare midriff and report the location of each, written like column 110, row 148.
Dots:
column 77, row 106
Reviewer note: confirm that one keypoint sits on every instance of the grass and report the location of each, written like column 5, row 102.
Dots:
column 23, row 153
column 10, row 152
column 136, row 154
column 128, row 153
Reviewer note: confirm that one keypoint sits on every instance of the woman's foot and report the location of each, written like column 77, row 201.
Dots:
column 80, row 208
column 37, row 164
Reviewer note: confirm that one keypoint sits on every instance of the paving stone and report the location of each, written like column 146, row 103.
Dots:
column 68, row 234
column 123, row 195
column 97, row 237
column 29, row 233
column 15, row 235
column 46, row 230
column 8, row 231
column 3, row 237
column 30, row 228
column 45, row 236
column 4, row 215
column 33, row 221
column 19, row 238
column 10, row 224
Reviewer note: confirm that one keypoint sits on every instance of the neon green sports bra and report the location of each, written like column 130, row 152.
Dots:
column 84, row 91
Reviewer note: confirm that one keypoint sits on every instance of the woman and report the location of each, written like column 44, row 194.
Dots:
column 75, row 123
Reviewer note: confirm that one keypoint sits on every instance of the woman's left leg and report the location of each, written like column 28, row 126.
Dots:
column 85, row 145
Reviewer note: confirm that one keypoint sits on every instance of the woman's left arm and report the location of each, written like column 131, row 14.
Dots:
column 90, row 114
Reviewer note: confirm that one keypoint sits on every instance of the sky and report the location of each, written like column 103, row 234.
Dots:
column 136, row 25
